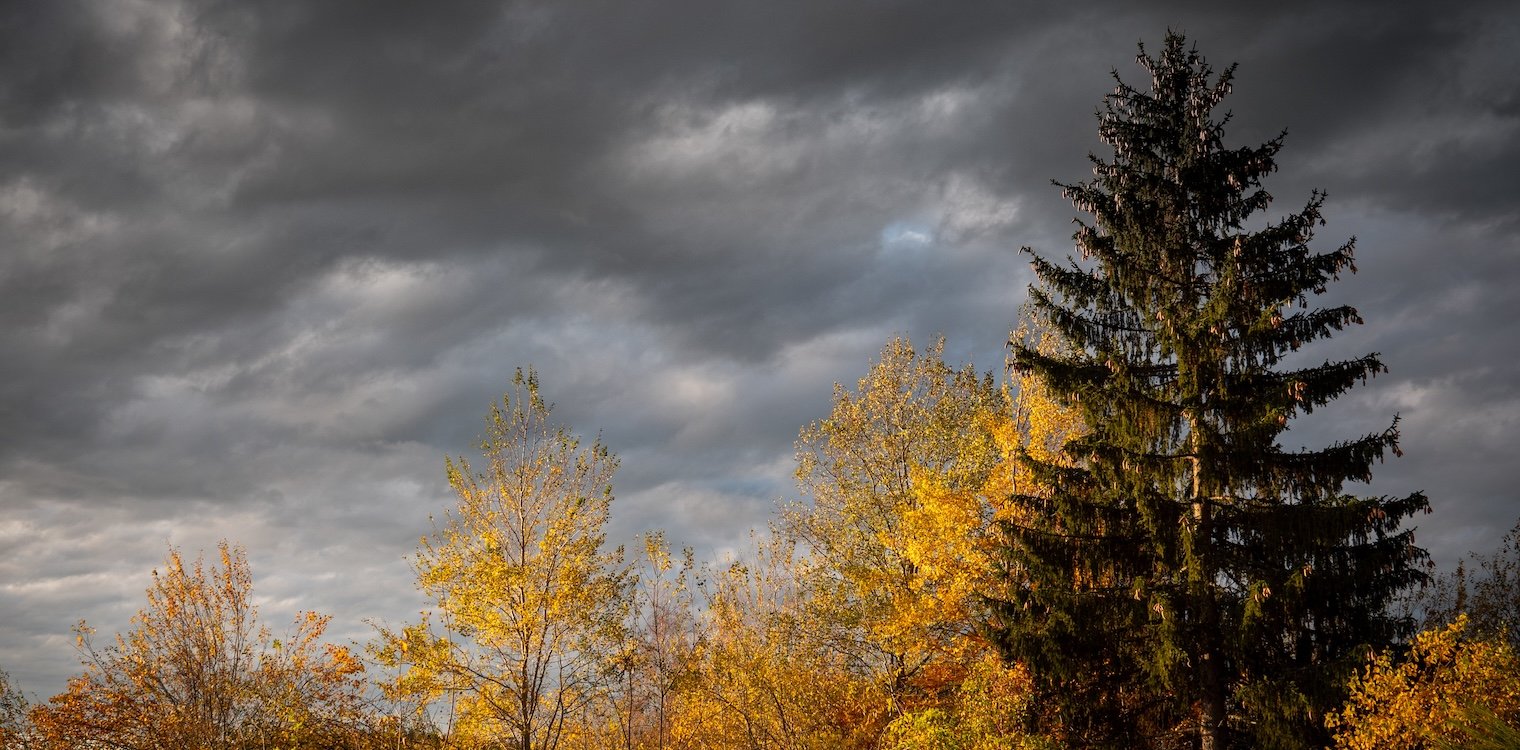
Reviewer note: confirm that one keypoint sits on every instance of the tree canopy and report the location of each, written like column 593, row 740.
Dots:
column 198, row 669
column 526, row 601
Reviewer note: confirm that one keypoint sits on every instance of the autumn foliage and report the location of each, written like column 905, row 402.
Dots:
column 901, row 486
column 856, row 620
column 197, row 669
column 1434, row 695
column 758, row 678
column 528, row 606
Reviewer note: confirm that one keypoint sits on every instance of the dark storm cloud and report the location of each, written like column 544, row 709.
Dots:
column 266, row 263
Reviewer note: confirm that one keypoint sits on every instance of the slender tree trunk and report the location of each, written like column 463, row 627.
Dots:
column 1210, row 666
column 1211, row 709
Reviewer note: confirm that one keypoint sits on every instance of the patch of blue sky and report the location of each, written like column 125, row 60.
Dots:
column 907, row 233
column 906, row 238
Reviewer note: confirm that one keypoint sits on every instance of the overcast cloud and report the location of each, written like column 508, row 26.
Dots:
column 265, row 264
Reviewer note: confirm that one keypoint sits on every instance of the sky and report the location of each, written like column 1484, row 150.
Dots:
column 264, row 265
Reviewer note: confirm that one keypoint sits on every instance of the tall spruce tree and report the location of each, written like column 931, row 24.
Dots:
column 1191, row 582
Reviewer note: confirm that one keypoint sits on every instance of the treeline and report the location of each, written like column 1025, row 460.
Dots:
column 854, row 621
column 861, row 618
column 1109, row 549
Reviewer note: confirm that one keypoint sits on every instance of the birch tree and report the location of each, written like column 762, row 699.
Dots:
column 525, row 599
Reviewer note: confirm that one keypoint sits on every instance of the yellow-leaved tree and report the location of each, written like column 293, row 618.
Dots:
column 902, row 481
column 950, row 535
column 759, row 679
column 526, row 602
column 15, row 728
column 990, row 709
column 658, row 648
column 198, row 670
column 1440, row 694
column 952, row 539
